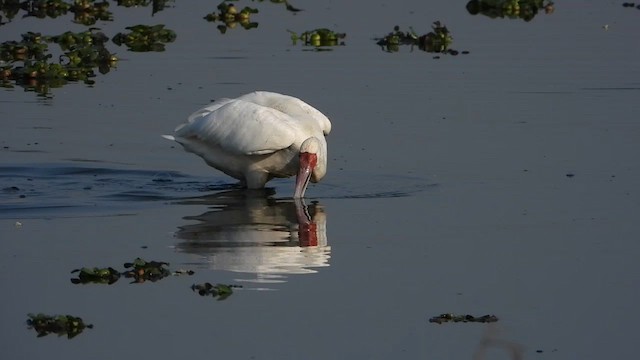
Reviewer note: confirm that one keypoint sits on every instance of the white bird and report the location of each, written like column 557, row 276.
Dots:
column 259, row 136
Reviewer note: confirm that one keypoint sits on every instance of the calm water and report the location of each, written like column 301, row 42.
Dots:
column 499, row 182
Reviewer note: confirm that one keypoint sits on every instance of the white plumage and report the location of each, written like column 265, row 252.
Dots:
column 259, row 136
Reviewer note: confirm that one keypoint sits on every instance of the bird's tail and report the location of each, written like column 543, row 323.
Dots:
column 169, row 137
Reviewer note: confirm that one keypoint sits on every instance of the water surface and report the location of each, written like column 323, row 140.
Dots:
column 499, row 182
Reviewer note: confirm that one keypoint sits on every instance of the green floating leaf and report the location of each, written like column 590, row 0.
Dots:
column 61, row 325
column 139, row 270
column 96, row 276
column 437, row 41
column 317, row 38
column 230, row 17
column 29, row 63
column 219, row 291
column 510, row 9
column 142, row 270
column 145, row 38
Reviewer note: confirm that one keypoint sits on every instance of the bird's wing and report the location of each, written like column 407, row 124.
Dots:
column 290, row 105
column 209, row 108
column 241, row 127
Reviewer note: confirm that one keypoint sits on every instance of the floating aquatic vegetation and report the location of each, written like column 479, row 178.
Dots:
column 219, row 291
column 436, row 41
column 318, row 38
column 393, row 40
column 85, row 12
column 38, row 9
column 230, row 17
column 512, row 9
column 28, row 63
column 143, row 38
column 156, row 5
column 70, row 40
column 442, row 318
column 96, row 276
column 140, row 270
column 59, row 324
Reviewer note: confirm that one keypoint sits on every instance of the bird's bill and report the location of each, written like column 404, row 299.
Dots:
column 308, row 162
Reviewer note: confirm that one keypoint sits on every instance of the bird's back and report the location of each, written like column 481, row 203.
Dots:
column 289, row 105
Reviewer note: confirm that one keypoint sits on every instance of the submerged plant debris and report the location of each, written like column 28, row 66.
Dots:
column 58, row 324
column 139, row 270
column 230, row 17
column 511, row 9
column 438, row 40
column 443, row 318
column 30, row 64
column 319, row 38
column 144, row 38
column 219, row 291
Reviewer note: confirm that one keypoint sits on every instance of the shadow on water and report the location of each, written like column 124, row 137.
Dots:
column 251, row 232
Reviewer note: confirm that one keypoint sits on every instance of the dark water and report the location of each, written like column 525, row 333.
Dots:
column 503, row 181
column 38, row 190
column 57, row 190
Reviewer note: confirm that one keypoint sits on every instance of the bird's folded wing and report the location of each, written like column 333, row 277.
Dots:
column 208, row 109
column 289, row 105
column 241, row 127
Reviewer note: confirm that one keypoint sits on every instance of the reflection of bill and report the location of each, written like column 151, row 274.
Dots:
column 255, row 234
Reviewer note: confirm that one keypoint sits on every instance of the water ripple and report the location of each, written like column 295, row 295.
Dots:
column 57, row 190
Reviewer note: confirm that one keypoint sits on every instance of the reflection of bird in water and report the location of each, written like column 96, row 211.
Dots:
column 259, row 136
column 249, row 232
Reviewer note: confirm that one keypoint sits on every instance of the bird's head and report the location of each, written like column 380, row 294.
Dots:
column 313, row 164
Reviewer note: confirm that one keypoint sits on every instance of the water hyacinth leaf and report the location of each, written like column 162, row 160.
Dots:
column 87, row 12
column 142, row 270
column 61, row 325
column 510, row 9
column 321, row 37
column 30, row 62
column 249, row 10
column 95, row 276
column 218, row 291
column 144, row 38
column 438, row 40
column 230, row 17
